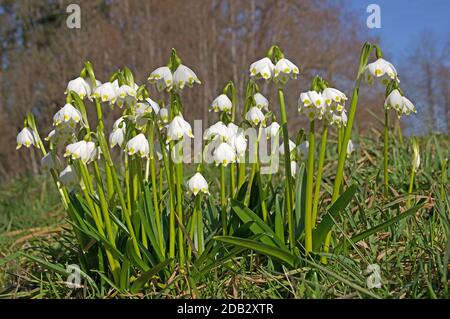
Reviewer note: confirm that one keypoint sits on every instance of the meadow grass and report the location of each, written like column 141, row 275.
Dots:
column 412, row 253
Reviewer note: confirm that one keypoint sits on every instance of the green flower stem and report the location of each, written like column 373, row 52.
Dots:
column 199, row 223
column 309, row 190
column 223, row 199
column 87, row 189
column 385, row 153
column 232, row 90
column 323, row 146
column 340, row 137
column 287, row 168
column 411, row 184
column 192, row 226
column 347, row 135
column 127, row 213
column 179, row 191
column 241, row 172
column 168, row 170
column 151, row 136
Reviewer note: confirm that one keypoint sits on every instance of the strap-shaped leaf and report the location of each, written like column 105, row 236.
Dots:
column 327, row 223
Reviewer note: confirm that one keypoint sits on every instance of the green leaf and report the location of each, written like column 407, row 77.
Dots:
column 258, row 227
column 387, row 223
column 145, row 277
column 300, row 196
column 281, row 254
column 327, row 222
column 279, row 217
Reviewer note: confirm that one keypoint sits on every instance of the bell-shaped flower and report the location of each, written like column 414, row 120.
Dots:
column 69, row 177
column 239, row 143
column 291, row 147
column 399, row 103
column 224, row 154
column 312, row 104
column 162, row 77
column 233, row 129
column 382, row 70
column 331, row 95
column 416, row 155
column 164, row 115
column 272, row 130
column 284, row 70
column 119, row 123
column 50, row 161
column 198, row 183
column 178, row 128
column 337, row 119
column 85, row 151
column 350, row 148
column 154, row 105
column 27, row 137
column 80, row 86
column 59, row 136
column 263, row 68
column 218, row 130
column 184, row 75
column 67, row 115
column 126, row 95
column 261, row 101
column 117, row 137
column 255, row 116
column 138, row 145
column 107, row 92
column 222, row 103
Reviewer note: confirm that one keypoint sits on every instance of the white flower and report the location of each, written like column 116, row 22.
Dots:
column 294, row 168
column 350, row 148
column 218, row 130
column 291, row 147
column 162, row 77
column 337, row 119
column 285, row 69
column 164, row 115
column 93, row 86
column 178, row 128
column 68, row 114
column 184, row 75
column 126, row 94
column 382, row 70
column 119, row 123
column 68, row 177
column 80, row 87
column 261, row 101
column 255, row 116
column 263, row 68
column 126, row 90
column 83, row 150
column 50, row 161
column 59, row 136
column 117, row 137
column 138, row 145
column 224, row 154
column 221, row 103
column 416, row 155
column 154, row 105
column 312, row 104
column 399, row 103
column 107, row 92
column 272, row 130
column 233, row 128
column 198, row 183
column 26, row 137
column 239, row 142
column 333, row 95
column 302, row 150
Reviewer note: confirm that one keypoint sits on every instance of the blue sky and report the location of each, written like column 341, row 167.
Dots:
column 403, row 20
